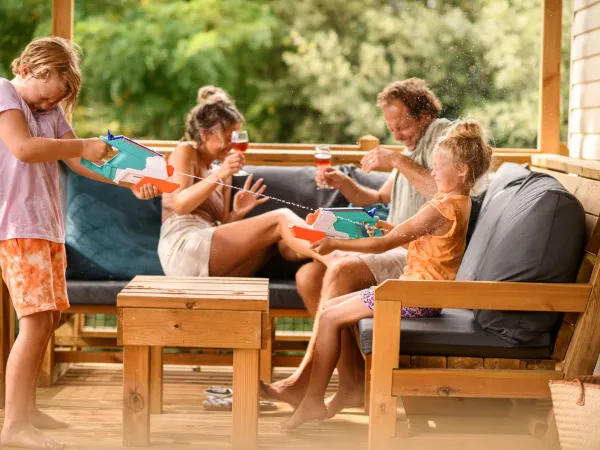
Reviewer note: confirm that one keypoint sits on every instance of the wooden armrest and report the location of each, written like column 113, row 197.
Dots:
column 496, row 295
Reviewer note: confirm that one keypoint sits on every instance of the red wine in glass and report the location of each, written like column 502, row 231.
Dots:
column 240, row 146
column 322, row 160
column 239, row 143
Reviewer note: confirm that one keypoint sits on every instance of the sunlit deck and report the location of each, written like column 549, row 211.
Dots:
column 89, row 398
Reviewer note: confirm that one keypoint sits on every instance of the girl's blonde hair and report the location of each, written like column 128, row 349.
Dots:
column 215, row 111
column 45, row 57
column 467, row 142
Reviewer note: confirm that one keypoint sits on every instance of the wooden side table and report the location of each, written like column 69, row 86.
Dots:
column 156, row 312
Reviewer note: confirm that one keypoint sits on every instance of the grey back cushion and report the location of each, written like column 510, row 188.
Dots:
column 530, row 229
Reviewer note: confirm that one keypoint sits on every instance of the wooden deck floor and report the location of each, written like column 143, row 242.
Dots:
column 89, row 397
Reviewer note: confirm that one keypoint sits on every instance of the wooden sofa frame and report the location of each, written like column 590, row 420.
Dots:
column 576, row 349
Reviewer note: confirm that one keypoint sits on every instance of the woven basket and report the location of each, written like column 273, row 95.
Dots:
column 577, row 411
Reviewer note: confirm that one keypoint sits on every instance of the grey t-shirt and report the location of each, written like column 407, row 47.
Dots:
column 405, row 200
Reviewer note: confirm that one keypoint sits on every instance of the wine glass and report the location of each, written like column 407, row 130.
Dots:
column 322, row 161
column 239, row 141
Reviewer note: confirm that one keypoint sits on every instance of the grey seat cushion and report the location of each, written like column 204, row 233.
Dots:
column 282, row 293
column 530, row 229
column 454, row 333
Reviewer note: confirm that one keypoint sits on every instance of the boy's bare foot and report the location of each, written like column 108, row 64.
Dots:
column 344, row 398
column 284, row 392
column 43, row 421
column 28, row 437
column 307, row 410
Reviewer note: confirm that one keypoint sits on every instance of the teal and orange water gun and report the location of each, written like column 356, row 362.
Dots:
column 337, row 223
column 135, row 164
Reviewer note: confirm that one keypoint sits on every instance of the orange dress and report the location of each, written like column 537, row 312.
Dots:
column 435, row 257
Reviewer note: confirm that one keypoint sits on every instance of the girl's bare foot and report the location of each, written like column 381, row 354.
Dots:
column 28, row 437
column 345, row 398
column 284, row 392
column 43, row 421
column 308, row 410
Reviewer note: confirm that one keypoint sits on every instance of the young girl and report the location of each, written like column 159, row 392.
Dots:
column 436, row 239
column 201, row 234
column 34, row 135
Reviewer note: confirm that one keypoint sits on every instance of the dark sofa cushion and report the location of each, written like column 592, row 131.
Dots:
column 110, row 234
column 454, row 333
column 530, row 229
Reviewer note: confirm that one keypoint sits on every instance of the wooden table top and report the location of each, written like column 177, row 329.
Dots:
column 236, row 294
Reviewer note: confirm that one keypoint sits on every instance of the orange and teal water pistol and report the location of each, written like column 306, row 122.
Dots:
column 337, row 223
column 134, row 163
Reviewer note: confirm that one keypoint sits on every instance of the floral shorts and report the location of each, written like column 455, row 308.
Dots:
column 408, row 312
column 34, row 271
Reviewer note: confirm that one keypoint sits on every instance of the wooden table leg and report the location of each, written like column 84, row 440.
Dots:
column 156, row 380
column 245, row 399
column 136, row 396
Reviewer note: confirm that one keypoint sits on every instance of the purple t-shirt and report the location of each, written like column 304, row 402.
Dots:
column 29, row 192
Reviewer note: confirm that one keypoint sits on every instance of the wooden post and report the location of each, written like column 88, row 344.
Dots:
column 245, row 399
column 62, row 18
column 5, row 340
column 385, row 358
column 47, row 372
column 156, row 380
column 549, row 83
column 136, row 392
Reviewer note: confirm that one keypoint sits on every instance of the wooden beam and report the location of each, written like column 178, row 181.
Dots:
column 62, row 18
column 5, row 339
column 473, row 383
column 549, row 81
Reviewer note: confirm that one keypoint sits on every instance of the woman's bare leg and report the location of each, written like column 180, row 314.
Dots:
column 21, row 383
column 326, row 355
column 236, row 242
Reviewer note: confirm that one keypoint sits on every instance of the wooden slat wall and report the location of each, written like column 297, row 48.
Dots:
column 584, row 103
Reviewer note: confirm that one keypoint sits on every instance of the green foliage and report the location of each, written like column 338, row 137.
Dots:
column 306, row 71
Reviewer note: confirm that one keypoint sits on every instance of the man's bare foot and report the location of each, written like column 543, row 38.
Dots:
column 28, row 437
column 308, row 410
column 43, row 421
column 288, row 393
column 344, row 398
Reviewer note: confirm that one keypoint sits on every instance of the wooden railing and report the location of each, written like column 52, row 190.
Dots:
column 260, row 154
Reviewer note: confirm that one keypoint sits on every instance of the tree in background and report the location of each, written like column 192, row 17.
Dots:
column 300, row 71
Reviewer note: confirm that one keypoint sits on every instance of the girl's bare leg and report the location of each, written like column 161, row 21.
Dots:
column 293, row 390
column 325, row 357
column 21, row 383
column 40, row 419
column 236, row 242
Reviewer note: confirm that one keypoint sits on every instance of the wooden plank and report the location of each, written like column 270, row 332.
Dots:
column 76, row 341
column 74, row 356
column 433, row 362
column 592, row 229
column 136, row 396
column 585, row 146
column 245, row 399
column 567, row 297
column 587, row 169
column 266, row 350
column 63, row 12
column 585, row 120
column 585, row 45
column 156, row 380
column 47, row 371
column 473, row 383
column 585, row 96
column 578, row 5
column 587, row 191
column 501, row 364
column 549, row 78
column 537, row 364
column 180, row 328
column 584, row 348
column 585, row 70
column 92, row 309
column 460, row 362
column 564, row 336
column 586, row 20
column 385, row 358
column 289, row 313
column 587, row 267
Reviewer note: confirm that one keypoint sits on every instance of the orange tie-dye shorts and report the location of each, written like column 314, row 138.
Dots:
column 34, row 271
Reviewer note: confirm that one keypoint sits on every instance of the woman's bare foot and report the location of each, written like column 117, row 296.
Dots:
column 28, row 437
column 288, row 393
column 345, row 398
column 308, row 410
column 43, row 421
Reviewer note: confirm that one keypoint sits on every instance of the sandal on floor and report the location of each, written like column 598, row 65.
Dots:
column 218, row 392
column 225, row 403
